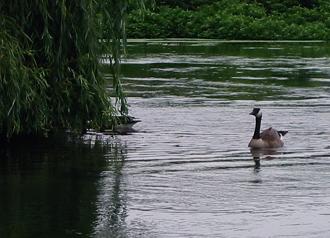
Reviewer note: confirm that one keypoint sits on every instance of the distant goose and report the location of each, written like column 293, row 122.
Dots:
column 269, row 138
column 123, row 125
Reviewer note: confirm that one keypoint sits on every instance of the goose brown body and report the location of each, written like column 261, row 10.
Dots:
column 269, row 138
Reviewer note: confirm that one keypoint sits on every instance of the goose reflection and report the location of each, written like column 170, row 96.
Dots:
column 259, row 154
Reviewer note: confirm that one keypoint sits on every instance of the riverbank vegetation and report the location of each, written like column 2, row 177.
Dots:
column 50, row 77
column 234, row 20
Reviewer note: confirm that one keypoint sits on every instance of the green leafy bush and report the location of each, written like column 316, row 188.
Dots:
column 236, row 19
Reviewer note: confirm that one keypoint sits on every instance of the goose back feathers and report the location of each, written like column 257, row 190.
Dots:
column 269, row 138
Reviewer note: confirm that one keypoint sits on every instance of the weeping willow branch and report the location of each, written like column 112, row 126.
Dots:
column 22, row 86
column 50, row 76
column 113, row 20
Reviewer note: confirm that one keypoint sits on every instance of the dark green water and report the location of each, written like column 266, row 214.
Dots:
column 51, row 188
column 187, row 171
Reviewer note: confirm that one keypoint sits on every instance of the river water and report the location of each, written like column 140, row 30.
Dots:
column 187, row 170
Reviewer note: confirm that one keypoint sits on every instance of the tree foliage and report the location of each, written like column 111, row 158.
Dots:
column 184, row 4
column 236, row 19
column 50, row 76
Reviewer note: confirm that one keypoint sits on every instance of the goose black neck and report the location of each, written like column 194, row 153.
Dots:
column 256, row 134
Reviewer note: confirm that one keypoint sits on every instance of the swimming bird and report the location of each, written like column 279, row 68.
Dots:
column 125, row 124
column 120, row 125
column 269, row 138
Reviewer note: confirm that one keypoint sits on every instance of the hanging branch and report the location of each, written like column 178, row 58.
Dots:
column 114, row 13
column 50, row 77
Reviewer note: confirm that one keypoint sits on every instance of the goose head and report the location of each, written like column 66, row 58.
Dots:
column 256, row 112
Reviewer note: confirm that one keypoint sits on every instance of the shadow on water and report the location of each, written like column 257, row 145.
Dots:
column 52, row 188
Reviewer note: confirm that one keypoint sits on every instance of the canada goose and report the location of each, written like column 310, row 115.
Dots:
column 125, row 124
column 122, row 125
column 269, row 138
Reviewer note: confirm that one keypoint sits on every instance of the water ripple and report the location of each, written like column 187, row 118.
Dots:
column 189, row 172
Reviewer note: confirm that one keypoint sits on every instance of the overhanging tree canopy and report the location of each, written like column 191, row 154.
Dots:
column 50, row 75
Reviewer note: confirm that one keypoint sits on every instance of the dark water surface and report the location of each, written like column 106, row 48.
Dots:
column 187, row 171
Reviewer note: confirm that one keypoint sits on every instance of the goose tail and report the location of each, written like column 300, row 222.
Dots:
column 282, row 133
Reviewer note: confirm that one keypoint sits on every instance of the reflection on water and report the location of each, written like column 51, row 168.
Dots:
column 51, row 188
column 264, row 154
column 187, row 171
column 111, row 201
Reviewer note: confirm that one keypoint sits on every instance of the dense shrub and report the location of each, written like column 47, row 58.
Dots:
column 236, row 19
